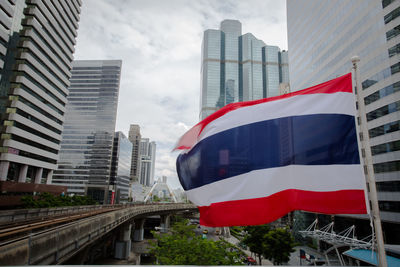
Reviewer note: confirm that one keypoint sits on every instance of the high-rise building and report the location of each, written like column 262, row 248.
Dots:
column 323, row 36
column 236, row 67
column 135, row 137
column 37, row 41
column 87, row 139
column 121, row 168
column 147, row 162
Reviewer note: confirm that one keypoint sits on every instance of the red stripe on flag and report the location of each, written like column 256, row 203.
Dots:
column 340, row 84
column 268, row 209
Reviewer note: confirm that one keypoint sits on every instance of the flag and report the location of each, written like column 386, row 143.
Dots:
column 253, row 162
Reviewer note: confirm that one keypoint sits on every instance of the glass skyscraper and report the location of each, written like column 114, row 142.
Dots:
column 37, row 41
column 121, row 167
column 87, row 139
column 323, row 36
column 147, row 161
column 238, row 67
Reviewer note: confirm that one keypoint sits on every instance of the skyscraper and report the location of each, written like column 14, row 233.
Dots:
column 36, row 47
column 147, row 161
column 323, row 36
column 87, row 139
column 121, row 167
column 238, row 67
column 135, row 137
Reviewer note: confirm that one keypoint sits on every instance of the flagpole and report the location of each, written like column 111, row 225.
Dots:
column 370, row 171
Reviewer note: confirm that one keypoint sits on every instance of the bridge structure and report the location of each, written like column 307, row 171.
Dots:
column 346, row 238
column 70, row 231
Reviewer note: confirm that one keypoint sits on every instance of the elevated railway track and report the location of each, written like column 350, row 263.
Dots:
column 21, row 227
column 50, row 239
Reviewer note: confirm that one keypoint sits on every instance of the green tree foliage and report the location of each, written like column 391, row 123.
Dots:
column 156, row 199
column 277, row 246
column 254, row 239
column 237, row 231
column 47, row 200
column 183, row 247
column 274, row 244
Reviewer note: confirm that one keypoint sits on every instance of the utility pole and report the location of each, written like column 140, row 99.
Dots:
column 370, row 175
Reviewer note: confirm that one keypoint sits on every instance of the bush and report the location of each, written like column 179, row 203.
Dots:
column 47, row 200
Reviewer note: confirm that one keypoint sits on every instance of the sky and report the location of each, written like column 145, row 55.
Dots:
column 159, row 43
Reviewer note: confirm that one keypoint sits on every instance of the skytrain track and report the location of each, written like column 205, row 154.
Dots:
column 16, row 230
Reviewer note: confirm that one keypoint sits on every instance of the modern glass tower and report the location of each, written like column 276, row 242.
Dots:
column 37, row 41
column 121, row 167
column 87, row 139
column 147, row 162
column 323, row 36
column 238, row 67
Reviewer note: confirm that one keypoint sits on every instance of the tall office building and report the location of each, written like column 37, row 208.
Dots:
column 236, row 67
column 147, row 162
column 135, row 137
column 323, row 36
column 87, row 139
column 37, row 41
column 121, row 168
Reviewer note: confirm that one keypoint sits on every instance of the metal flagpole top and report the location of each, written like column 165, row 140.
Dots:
column 355, row 59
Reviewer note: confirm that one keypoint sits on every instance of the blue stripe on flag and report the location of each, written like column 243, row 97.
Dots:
column 320, row 139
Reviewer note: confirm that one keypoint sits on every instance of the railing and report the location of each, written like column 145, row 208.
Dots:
column 10, row 216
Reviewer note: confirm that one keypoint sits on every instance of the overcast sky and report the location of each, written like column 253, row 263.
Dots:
column 159, row 42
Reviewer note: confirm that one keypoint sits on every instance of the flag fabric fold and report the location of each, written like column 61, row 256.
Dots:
column 253, row 162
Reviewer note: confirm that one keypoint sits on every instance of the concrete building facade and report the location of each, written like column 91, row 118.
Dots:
column 236, row 67
column 87, row 139
column 135, row 137
column 37, row 41
column 323, row 36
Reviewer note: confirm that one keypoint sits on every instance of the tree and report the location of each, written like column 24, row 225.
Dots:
column 254, row 239
column 183, row 247
column 47, row 200
column 278, row 244
column 274, row 244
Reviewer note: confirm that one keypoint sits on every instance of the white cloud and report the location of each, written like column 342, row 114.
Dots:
column 159, row 43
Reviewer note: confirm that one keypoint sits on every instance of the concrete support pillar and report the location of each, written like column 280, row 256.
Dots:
column 38, row 175
column 4, row 165
column 123, row 245
column 165, row 219
column 138, row 234
column 125, row 233
column 22, row 173
column 49, row 177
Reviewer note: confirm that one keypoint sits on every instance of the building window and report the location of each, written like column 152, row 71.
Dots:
column 388, row 90
column 390, row 166
column 385, row 148
column 382, row 111
column 385, row 3
column 384, row 129
column 393, row 33
column 395, row 50
column 392, row 206
column 392, row 15
column 391, row 186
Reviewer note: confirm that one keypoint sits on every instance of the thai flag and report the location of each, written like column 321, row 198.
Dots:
column 253, row 162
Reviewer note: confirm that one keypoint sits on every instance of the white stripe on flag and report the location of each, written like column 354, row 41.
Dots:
column 337, row 103
column 262, row 183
